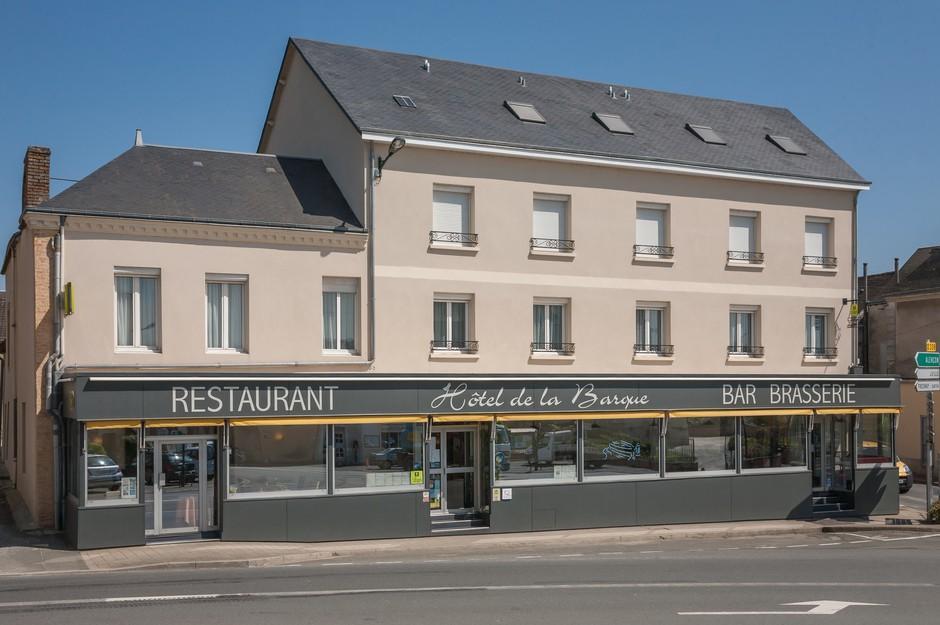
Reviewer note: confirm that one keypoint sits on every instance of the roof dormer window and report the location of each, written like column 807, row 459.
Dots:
column 706, row 134
column 613, row 123
column 786, row 144
column 525, row 112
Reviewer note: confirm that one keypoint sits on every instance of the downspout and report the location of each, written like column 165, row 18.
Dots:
column 52, row 374
column 854, row 360
column 370, row 253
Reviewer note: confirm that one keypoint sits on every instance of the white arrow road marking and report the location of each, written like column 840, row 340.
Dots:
column 888, row 540
column 821, row 607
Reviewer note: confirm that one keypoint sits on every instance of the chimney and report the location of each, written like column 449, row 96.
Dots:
column 897, row 271
column 36, row 176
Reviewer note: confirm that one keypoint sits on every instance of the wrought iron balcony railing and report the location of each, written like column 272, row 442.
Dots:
column 662, row 251
column 553, row 346
column 745, row 257
column 754, row 351
column 820, row 352
column 559, row 245
column 658, row 349
column 462, row 238
column 820, row 261
column 468, row 347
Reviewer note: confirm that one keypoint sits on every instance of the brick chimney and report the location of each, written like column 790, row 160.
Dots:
column 36, row 176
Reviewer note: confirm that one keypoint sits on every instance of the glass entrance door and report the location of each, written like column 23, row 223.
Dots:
column 181, row 490
column 831, row 448
column 452, row 465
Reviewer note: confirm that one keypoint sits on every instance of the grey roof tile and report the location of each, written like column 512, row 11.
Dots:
column 462, row 101
column 157, row 182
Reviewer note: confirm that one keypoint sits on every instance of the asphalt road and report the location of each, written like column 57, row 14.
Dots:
column 916, row 497
column 664, row 583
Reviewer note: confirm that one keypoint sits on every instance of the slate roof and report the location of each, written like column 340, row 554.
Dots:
column 465, row 102
column 154, row 182
column 920, row 274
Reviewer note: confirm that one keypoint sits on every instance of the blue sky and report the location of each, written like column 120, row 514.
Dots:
column 81, row 76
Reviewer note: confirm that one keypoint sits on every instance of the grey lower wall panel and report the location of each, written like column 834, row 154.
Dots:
column 109, row 526
column 313, row 519
column 682, row 500
column 772, row 496
column 876, row 491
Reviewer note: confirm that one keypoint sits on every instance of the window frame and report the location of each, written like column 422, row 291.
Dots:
column 546, row 303
column 828, row 332
column 564, row 241
column 135, row 274
column 582, row 467
column 805, row 467
column 449, row 300
column 745, row 350
column 336, row 286
column 828, row 242
column 226, row 280
column 711, row 472
column 646, row 308
column 466, row 237
column 280, row 494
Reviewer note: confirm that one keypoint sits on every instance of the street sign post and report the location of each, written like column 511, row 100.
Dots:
column 927, row 359
column 927, row 374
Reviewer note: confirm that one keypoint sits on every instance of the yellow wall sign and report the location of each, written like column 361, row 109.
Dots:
column 417, row 477
column 853, row 310
column 931, row 346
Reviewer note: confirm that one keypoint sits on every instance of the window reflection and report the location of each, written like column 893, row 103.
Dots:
column 537, row 450
column 700, row 444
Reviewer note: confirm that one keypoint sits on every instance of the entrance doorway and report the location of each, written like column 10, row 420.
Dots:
column 831, row 450
column 452, row 470
column 181, row 491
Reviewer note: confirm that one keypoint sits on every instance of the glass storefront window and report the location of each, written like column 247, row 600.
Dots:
column 773, row 442
column 537, row 450
column 111, row 466
column 621, row 447
column 700, row 444
column 379, row 455
column 277, row 459
column 876, row 439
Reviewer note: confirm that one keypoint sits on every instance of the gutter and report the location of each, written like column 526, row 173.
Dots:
column 697, row 169
column 370, row 253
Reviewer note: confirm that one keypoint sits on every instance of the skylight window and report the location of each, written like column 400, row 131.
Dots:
column 525, row 112
column 613, row 123
column 706, row 134
column 786, row 144
column 405, row 102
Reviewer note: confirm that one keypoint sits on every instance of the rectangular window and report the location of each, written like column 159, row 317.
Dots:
column 773, row 442
column 277, row 460
column 225, row 314
column 539, row 450
column 452, row 325
column 700, row 444
column 651, row 330
column 550, row 224
column 743, row 327
column 111, row 466
column 340, row 314
column 817, row 334
column 549, row 323
column 378, row 455
column 742, row 238
column 876, row 439
column 621, row 447
column 451, row 216
column 137, row 308
column 650, row 226
column 817, row 245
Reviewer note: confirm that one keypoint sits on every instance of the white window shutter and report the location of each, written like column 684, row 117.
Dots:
column 548, row 219
column 741, row 234
column 817, row 235
column 451, row 211
column 650, row 226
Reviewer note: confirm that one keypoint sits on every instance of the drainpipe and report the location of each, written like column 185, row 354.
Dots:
column 370, row 252
column 52, row 373
column 855, row 360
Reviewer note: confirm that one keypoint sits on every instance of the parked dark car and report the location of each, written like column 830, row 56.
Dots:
column 103, row 473
column 392, row 457
column 192, row 453
column 176, row 467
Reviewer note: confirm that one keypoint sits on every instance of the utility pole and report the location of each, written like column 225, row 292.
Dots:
column 928, row 381
column 928, row 431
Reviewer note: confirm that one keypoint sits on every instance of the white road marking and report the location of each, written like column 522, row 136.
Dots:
column 610, row 553
column 766, row 547
column 796, row 546
column 571, row 555
column 62, row 603
column 828, row 544
column 728, row 548
column 527, row 557
column 388, row 562
column 821, row 607
column 336, row 564
column 653, row 551
column 855, row 542
column 433, row 561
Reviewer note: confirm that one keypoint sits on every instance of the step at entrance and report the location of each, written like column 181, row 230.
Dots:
column 833, row 503
column 465, row 522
